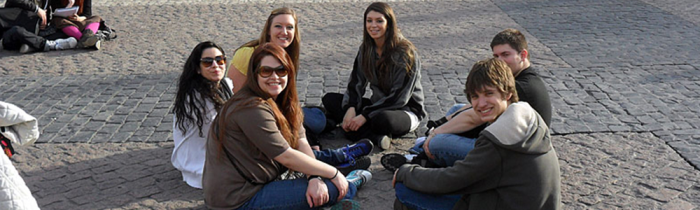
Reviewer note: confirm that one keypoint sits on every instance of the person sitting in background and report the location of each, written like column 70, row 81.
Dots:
column 20, row 21
column 82, row 26
column 389, row 64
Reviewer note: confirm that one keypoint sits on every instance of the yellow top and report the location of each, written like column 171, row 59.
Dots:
column 241, row 59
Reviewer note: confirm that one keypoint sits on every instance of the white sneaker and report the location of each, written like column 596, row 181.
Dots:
column 385, row 142
column 24, row 49
column 64, row 44
column 359, row 177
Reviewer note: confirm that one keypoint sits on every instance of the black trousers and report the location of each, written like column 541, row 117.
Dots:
column 392, row 123
column 13, row 39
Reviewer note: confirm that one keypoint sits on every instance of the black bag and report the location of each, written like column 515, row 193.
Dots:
column 105, row 32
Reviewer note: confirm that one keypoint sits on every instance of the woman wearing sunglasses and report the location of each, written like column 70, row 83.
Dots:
column 389, row 64
column 202, row 90
column 258, row 136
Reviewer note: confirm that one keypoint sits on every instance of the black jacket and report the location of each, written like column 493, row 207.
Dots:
column 21, row 13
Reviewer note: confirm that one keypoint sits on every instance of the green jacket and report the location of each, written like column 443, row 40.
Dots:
column 512, row 166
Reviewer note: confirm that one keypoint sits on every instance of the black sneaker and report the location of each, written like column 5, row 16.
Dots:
column 359, row 163
column 393, row 161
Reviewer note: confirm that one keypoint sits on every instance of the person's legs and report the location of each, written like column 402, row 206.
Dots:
column 391, row 122
column 16, row 36
column 72, row 31
column 344, row 154
column 417, row 200
column 449, row 148
column 454, row 109
column 332, row 102
column 291, row 194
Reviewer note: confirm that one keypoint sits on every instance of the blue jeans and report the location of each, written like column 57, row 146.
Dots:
column 448, row 148
column 291, row 194
column 417, row 200
column 332, row 157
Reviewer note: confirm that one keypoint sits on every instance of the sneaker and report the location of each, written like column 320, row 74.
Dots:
column 359, row 177
column 360, row 163
column 24, row 49
column 393, row 161
column 385, row 142
column 88, row 39
column 64, row 44
column 346, row 204
column 361, row 148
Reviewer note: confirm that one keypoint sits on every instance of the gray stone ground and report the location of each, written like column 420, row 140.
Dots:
column 623, row 76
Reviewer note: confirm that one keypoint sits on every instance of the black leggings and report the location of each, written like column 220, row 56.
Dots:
column 393, row 123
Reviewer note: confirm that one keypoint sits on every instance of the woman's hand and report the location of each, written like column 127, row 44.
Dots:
column 316, row 193
column 342, row 184
column 357, row 122
column 347, row 119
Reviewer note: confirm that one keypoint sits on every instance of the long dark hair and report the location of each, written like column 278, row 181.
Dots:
column 394, row 42
column 285, row 107
column 293, row 48
column 193, row 86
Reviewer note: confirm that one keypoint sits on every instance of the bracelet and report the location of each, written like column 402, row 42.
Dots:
column 336, row 174
column 314, row 177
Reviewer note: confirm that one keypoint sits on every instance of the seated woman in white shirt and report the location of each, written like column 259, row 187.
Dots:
column 202, row 90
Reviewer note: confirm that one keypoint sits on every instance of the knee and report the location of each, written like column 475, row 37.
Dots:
column 14, row 30
column 385, row 123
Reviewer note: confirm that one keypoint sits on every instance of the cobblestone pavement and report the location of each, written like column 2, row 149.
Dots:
column 623, row 76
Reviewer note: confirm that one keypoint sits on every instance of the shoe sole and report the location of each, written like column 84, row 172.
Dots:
column 88, row 42
column 360, row 163
column 385, row 143
column 24, row 49
column 392, row 162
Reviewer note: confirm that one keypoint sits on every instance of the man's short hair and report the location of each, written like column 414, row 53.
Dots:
column 491, row 72
column 512, row 37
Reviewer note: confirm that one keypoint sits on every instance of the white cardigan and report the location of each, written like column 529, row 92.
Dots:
column 190, row 148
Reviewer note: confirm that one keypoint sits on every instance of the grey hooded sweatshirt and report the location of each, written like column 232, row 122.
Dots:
column 513, row 166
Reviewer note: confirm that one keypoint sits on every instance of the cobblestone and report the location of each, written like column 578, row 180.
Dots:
column 622, row 76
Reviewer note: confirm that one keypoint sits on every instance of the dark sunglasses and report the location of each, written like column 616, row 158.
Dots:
column 208, row 61
column 266, row 71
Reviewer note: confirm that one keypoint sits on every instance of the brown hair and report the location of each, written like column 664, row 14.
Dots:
column 293, row 48
column 394, row 41
column 494, row 73
column 512, row 37
column 285, row 108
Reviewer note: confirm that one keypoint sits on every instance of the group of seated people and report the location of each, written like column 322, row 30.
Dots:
column 31, row 26
column 240, row 134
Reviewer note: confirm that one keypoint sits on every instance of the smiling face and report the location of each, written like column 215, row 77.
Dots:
column 214, row 72
column 282, row 30
column 376, row 25
column 274, row 84
column 489, row 103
